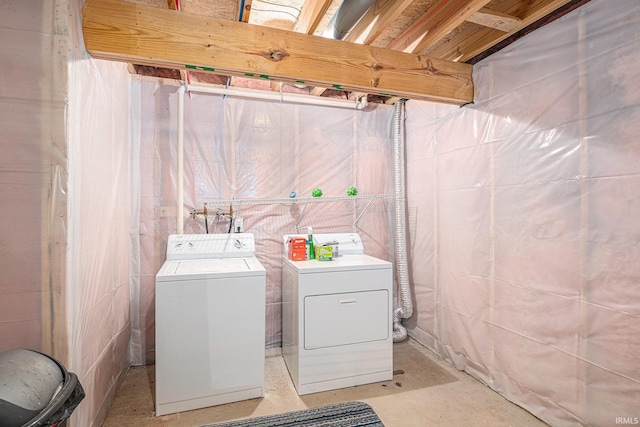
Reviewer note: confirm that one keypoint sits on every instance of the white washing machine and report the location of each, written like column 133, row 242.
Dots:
column 210, row 322
column 337, row 318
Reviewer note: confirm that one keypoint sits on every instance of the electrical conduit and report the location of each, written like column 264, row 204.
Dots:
column 405, row 310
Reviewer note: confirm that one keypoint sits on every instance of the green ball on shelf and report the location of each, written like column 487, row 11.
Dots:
column 352, row 191
column 316, row 192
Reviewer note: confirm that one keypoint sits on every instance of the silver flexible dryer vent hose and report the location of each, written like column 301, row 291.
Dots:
column 405, row 311
column 346, row 17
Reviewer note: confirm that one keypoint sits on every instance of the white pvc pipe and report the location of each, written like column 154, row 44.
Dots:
column 180, row 178
column 295, row 98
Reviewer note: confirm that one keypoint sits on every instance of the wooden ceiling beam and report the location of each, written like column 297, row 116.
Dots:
column 127, row 32
column 496, row 20
column 435, row 23
column 311, row 14
column 377, row 18
column 471, row 40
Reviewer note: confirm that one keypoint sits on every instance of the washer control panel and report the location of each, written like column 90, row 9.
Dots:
column 202, row 246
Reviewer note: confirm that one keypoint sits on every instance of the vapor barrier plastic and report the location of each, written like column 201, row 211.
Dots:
column 99, row 205
column 254, row 150
column 526, row 247
column 64, row 183
column 32, row 177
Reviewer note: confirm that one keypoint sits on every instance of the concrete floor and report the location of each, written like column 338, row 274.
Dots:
column 430, row 392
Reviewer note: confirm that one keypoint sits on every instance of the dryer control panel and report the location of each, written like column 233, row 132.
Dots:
column 203, row 246
column 348, row 243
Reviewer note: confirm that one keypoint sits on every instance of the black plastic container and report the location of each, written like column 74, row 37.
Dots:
column 36, row 390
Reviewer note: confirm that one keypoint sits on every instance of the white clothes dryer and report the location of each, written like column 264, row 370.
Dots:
column 337, row 317
column 210, row 322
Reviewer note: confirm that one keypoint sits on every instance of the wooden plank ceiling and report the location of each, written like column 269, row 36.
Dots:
column 415, row 49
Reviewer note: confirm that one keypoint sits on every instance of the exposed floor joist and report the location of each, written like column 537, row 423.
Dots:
column 496, row 20
column 471, row 40
column 435, row 24
column 556, row 14
column 376, row 20
column 312, row 13
column 127, row 32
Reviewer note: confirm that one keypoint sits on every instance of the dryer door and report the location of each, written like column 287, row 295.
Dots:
column 346, row 318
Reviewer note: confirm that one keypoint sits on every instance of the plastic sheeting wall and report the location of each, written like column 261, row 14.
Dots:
column 32, row 143
column 99, row 240
column 526, row 249
column 65, row 188
column 99, row 194
column 246, row 149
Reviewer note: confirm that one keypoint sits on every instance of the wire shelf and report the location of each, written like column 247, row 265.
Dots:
column 295, row 200
column 270, row 219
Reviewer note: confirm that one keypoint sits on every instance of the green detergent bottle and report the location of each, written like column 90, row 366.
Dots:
column 312, row 253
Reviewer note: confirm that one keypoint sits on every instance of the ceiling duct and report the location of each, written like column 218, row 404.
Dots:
column 347, row 15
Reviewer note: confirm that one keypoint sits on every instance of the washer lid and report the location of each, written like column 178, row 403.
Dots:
column 343, row 263
column 210, row 268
